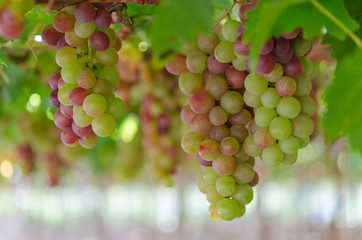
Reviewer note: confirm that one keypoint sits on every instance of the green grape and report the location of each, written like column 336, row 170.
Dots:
column 242, row 209
column 232, row 102
column 190, row 83
column 288, row 107
column 275, row 74
column 304, row 142
column 307, row 66
column 218, row 116
column 303, row 126
column 241, row 156
column 94, row 105
column 73, row 40
column 70, row 72
column 66, row 55
column 224, row 52
column 191, row 141
column 301, row 46
column 196, row 61
column 89, row 142
column 86, row 79
column 308, row 105
column 229, row 30
column 213, row 213
column 225, row 185
column 212, row 195
column 228, row 209
column 304, row 86
column 229, row 146
column 255, row 84
column 243, row 173
column 82, row 49
column 63, row 93
column 251, row 100
column 209, row 149
column 188, row 47
column 240, row 132
column 203, row 185
column 239, row 64
column 84, row 30
column 217, row 86
column 207, row 43
column 224, row 165
column 289, row 145
column 264, row 116
column 270, row 98
column 281, row 128
column 263, row 138
column 104, row 125
column 243, row 194
column 110, row 75
column 210, row 176
column 80, row 117
column 290, row 159
column 115, row 106
column 83, row 62
column 272, row 156
column 108, row 57
column 251, row 148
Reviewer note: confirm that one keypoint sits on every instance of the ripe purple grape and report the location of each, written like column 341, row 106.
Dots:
column 50, row 36
column 82, row 131
column 68, row 136
column 99, row 41
column 215, row 66
column 235, row 77
column 63, row 22
column 102, row 19
column 62, row 121
column 53, row 98
column 77, row 96
column 293, row 68
column 53, row 81
column 201, row 102
column 84, row 12
column 66, row 110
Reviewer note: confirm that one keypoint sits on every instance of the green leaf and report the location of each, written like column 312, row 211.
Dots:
column 272, row 17
column 3, row 63
column 179, row 21
column 343, row 99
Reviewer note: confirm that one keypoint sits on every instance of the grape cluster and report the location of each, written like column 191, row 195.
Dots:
column 12, row 17
column 217, row 120
column 86, row 52
column 279, row 93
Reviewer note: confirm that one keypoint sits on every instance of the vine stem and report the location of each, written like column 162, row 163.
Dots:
column 331, row 17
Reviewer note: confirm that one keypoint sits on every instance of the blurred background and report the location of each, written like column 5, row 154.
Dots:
column 138, row 184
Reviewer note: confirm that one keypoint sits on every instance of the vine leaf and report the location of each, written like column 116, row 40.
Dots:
column 179, row 21
column 272, row 17
column 343, row 99
column 3, row 63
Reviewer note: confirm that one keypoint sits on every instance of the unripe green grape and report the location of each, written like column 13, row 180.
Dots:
column 209, row 149
column 255, row 84
column 288, row 107
column 110, row 75
column 104, row 125
column 228, row 209
column 66, row 55
column 224, row 165
column 307, row 66
column 281, row 128
column 94, row 105
column 304, row 142
column 229, row 146
column 188, row 47
column 190, row 83
column 202, row 185
column 210, row 176
column 225, row 185
column 83, row 62
column 270, row 98
column 290, row 159
column 303, row 126
column 218, row 116
column 229, row 30
column 108, row 57
column 242, row 208
column 264, row 116
column 273, row 155
column 289, row 145
column 239, row 64
column 196, row 61
column 63, row 93
column 82, row 49
column 207, row 43
column 275, row 74
column 250, row 147
column 309, row 107
column 243, row 173
column 241, row 156
column 224, row 52
column 70, row 72
column 115, row 106
column 232, row 102
column 84, row 30
column 304, row 86
column 80, row 117
column 217, row 86
column 251, row 100
column 191, row 141
column 89, row 142
column 212, row 195
column 243, row 194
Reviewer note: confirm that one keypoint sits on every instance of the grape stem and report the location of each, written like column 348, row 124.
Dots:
column 90, row 55
column 59, row 4
column 335, row 20
column 226, row 13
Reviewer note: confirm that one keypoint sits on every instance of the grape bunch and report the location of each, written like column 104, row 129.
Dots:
column 83, row 90
column 217, row 118
column 12, row 17
column 279, row 93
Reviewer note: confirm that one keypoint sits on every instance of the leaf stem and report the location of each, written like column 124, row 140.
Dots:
column 331, row 17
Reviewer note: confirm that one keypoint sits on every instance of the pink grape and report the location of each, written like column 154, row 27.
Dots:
column 63, row 22
column 216, row 86
column 60, row 83
column 219, row 132
column 241, row 29
column 244, row 8
column 66, row 110
column 84, row 12
column 99, row 41
column 241, row 48
column 242, row 118
column 229, row 146
column 10, row 26
column 62, row 43
column 293, row 68
column 178, row 65
column 218, row 116
column 263, row 138
column 187, row 114
column 201, row 102
column 50, row 36
column 291, row 35
column 53, row 80
column 68, row 136
column 267, row 47
column 77, row 96
column 207, row 43
column 283, row 59
column 281, row 46
column 86, row 79
column 215, row 66
column 224, row 165
column 103, row 5
column 286, row 86
column 53, row 98
column 209, row 149
column 265, row 64
column 232, row 102
column 203, row 162
column 235, row 77
column 201, row 124
column 62, row 121
column 252, row 126
column 239, row 132
column 251, row 148
column 103, row 19
column 88, row 142
column 82, row 131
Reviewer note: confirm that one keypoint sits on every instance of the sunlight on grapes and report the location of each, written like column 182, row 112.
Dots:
column 33, row 103
column 143, row 46
column 127, row 130
column 6, row 169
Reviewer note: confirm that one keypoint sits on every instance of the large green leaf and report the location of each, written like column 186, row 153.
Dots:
column 343, row 99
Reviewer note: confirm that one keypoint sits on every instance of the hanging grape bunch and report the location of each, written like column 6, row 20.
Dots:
column 226, row 97
column 83, row 90
column 12, row 17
